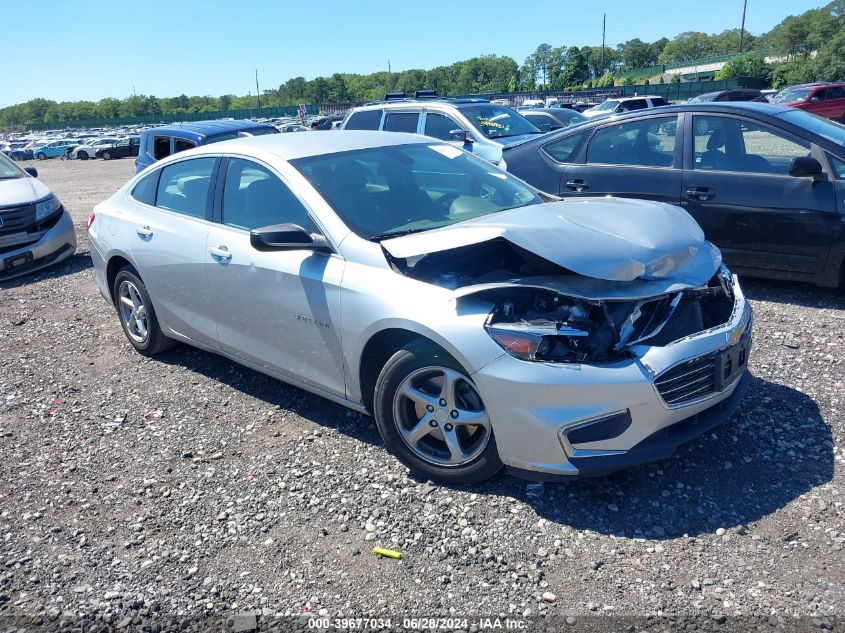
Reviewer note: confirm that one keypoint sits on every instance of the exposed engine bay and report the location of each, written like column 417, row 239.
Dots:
column 540, row 323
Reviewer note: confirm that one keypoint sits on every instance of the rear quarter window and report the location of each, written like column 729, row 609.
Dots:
column 564, row 150
column 145, row 189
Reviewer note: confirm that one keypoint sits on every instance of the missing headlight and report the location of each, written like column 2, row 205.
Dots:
column 547, row 327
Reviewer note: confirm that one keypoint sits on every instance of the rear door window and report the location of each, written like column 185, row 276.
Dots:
column 161, row 147
column 364, row 120
column 183, row 187
column 834, row 92
column 181, row 144
column 646, row 143
column 401, row 122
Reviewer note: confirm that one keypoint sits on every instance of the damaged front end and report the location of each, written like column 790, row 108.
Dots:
column 542, row 325
column 578, row 281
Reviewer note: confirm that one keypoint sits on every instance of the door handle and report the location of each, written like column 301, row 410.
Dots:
column 220, row 252
column 144, row 231
column 700, row 194
column 577, row 185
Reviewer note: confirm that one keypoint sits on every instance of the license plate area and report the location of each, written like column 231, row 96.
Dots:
column 731, row 362
column 16, row 261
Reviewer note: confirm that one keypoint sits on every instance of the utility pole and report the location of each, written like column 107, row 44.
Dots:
column 388, row 66
column 257, row 91
column 603, row 28
column 742, row 28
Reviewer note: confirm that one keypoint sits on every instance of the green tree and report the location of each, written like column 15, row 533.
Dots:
column 687, row 46
column 746, row 65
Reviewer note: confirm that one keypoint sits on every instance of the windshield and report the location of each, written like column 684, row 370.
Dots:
column 710, row 96
column 498, row 121
column 607, row 105
column 8, row 169
column 260, row 131
column 795, row 94
column 385, row 191
column 823, row 127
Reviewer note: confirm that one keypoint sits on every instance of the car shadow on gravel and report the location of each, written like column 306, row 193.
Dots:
column 75, row 263
column 792, row 292
column 272, row 392
column 775, row 448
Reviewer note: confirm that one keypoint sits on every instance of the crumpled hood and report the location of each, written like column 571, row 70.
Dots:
column 23, row 190
column 613, row 239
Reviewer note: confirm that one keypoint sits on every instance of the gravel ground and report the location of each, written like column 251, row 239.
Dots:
column 156, row 494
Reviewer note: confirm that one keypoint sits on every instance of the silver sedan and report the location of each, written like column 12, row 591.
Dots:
column 481, row 322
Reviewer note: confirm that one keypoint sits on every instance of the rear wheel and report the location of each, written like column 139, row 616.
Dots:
column 137, row 315
column 432, row 418
column 83, row 155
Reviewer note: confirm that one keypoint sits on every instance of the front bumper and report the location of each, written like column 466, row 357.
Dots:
column 56, row 244
column 535, row 408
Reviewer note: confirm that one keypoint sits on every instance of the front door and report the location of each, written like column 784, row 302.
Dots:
column 277, row 309
column 737, row 186
column 634, row 159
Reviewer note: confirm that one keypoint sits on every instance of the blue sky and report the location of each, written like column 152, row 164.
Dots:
column 89, row 49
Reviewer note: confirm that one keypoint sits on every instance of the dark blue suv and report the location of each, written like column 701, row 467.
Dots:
column 159, row 142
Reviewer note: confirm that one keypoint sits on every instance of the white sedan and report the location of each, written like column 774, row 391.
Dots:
column 89, row 150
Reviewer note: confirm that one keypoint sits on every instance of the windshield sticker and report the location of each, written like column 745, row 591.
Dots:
column 446, row 150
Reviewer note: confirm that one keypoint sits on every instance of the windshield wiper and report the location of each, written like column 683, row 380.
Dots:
column 383, row 236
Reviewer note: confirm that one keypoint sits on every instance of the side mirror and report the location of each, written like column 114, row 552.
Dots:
column 287, row 237
column 31, row 171
column 461, row 135
column 805, row 167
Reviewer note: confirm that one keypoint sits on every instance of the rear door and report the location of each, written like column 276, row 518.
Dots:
column 401, row 121
column 638, row 158
column 736, row 185
column 168, row 235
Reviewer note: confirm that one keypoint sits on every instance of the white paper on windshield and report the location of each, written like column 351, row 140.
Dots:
column 447, row 150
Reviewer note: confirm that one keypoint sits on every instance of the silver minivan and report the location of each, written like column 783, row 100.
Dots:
column 35, row 229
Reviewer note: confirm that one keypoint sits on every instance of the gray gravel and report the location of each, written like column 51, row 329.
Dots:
column 138, row 493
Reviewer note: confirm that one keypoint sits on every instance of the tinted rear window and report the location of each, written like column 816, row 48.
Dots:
column 401, row 122
column 366, row 120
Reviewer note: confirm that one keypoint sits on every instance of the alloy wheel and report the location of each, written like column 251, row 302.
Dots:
column 133, row 312
column 441, row 417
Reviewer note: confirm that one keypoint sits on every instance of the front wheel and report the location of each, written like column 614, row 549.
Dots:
column 41, row 156
column 432, row 418
column 106, row 155
column 137, row 315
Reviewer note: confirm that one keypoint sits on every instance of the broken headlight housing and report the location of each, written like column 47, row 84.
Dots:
column 547, row 327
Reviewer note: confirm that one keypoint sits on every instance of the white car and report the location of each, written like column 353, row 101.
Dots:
column 89, row 150
column 626, row 104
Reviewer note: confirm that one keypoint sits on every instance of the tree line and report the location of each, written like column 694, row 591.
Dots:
column 807, row 47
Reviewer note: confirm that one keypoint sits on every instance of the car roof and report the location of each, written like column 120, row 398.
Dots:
column 717, row 107
column 207, row 128
column 525, row 111
column 293, row 146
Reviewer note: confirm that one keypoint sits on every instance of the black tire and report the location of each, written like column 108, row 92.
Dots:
column 83, row 155
column 155, row 341
column 106, row 155
column 415, row 356
column 41, row 156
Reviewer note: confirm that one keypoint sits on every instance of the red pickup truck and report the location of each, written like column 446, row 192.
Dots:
column 824, row 99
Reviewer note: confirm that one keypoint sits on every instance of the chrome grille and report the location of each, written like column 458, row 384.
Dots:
column 16, row 219
column 688, row 381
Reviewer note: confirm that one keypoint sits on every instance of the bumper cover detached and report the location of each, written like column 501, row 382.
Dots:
column 658, row 446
